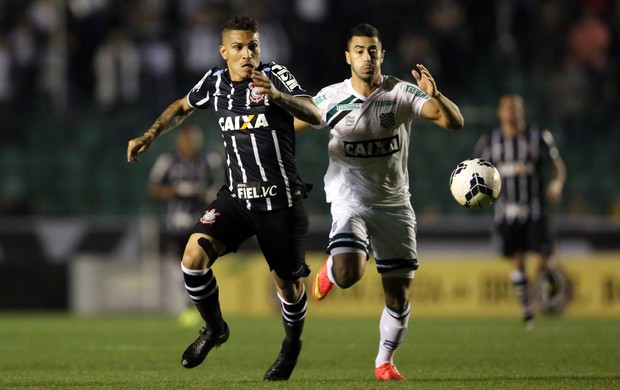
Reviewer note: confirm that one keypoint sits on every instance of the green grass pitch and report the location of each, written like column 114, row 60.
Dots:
column 58, row 351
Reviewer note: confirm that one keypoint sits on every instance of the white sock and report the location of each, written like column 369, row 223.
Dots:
column 330, row 275
column 392, row 329
column 521, row 288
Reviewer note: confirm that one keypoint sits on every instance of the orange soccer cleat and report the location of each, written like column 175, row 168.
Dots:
column 321, row 285
column 388, row 372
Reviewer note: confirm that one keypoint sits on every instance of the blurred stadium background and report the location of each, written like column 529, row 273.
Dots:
column 71, row 206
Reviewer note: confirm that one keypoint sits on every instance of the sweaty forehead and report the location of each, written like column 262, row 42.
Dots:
column 239, row 36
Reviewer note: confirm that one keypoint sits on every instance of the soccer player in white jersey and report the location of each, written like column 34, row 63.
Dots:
column 369, row 118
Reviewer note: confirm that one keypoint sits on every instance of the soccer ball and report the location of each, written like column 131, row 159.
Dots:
column 475, row 183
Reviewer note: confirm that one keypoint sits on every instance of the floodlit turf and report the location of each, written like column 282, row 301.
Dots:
column 56, row 351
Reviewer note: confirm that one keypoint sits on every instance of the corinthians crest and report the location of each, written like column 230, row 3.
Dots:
column 255, row 97
column 209, row 217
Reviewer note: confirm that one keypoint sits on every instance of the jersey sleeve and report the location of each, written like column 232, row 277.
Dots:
column 414, row 96
column 284, row 80
column 200, row 96
column 322, row 102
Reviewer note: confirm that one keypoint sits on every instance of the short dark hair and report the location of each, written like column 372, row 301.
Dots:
column 243, row 23
column 363, row 30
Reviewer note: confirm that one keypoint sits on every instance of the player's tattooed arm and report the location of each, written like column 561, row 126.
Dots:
column 172, row 117
column 169, row 119
column 300, row 107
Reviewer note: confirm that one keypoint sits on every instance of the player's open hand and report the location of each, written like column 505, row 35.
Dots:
column 425, row 80
column 138, row 146
column 261, row 85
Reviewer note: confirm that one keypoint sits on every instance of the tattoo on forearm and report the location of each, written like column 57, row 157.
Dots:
column 298, row 107
column 168, row 120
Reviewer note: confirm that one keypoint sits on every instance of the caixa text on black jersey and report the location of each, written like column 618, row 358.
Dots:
column 243, row 122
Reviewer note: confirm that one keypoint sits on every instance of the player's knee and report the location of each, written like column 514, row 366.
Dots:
column 348, row 276
column 397, row 304
column 193, row 259
column 348, row 266
column 291, row 291
column 199, row 254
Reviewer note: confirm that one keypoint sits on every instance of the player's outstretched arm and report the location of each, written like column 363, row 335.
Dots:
column 439, row 109
column 300, row 107
column 172, row 116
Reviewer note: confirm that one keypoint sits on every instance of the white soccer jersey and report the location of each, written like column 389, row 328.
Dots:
column 369, row 140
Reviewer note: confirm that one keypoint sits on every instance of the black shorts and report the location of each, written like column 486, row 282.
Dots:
column 281, row 234
column 529, row 236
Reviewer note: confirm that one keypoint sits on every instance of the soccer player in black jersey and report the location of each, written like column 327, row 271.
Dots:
column 186, row 179
column 255, row 105
column 533, row 173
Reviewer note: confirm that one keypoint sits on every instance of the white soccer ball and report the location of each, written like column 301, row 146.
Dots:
column 475, row 183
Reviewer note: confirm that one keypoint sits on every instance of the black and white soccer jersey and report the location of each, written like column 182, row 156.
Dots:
column 259, row 137
column 520, row 160
column 191, row 179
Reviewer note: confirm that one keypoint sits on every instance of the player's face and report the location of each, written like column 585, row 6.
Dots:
column 241, row 51
column 365, row 56
column 510, row 111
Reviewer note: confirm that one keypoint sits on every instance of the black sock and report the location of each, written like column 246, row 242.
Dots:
column 202, row 288
column 293, row 316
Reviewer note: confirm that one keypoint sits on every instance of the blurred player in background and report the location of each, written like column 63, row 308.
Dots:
column 533, row 173
column 369, row 117
column 187, row 179
column 263, row 196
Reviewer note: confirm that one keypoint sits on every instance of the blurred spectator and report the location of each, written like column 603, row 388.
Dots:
column 6, row 83
column 451, row 37
column 312, row 18
column 87, row 24
column 546, row 50
column 274, row 40
column 117, row 71
column 581, row 96
column 26, row 62
column 45, row 15
column 6, row 95
column 200, row 32
column 157, row 52
column 312, row 11
column 417, row 49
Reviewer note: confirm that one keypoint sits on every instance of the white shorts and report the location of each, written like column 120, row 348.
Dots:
column 390, row 232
